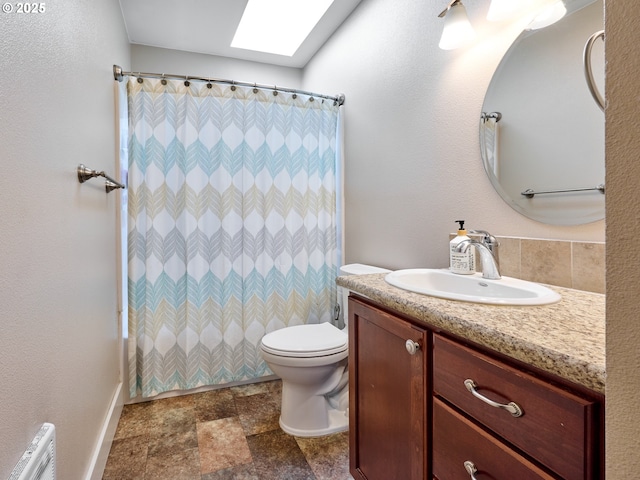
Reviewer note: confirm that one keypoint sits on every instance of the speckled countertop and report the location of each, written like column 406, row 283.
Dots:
column 565, row 338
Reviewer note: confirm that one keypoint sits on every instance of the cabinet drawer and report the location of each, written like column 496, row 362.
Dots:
column 457, row 440
column 556, row 426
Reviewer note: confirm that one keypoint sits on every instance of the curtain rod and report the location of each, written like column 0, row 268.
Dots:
column 119, row 74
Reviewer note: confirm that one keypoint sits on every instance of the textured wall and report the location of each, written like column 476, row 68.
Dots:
column 412, row 162
column 58, row 352
column 623, row 231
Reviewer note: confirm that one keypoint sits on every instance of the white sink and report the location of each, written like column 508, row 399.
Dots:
column 471, row 288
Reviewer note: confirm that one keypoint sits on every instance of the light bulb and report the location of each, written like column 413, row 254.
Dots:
column 457, row 29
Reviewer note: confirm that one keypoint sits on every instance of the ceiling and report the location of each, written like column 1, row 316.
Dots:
column 208, row 26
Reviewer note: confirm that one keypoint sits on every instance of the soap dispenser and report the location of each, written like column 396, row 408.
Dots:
column 463, row 263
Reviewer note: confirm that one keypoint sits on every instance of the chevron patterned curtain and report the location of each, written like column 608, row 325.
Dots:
column 231, row 227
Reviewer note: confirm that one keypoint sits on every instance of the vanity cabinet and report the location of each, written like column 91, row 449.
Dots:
column 455, row 410
column 388, row 400
column 547, row 423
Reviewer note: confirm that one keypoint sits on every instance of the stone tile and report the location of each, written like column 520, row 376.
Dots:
column 173, row 421
column 327, row 456
column 588, row 266
column 241, row 472
column 258, row 413
column 277, row 456
column 160, row 407
column 275, row 388
column 222, row 444
column 250, row 389
column 546, row 261
column 174, row 442
column 181, row 465
column 134, row 421
column 509, row 256
column 127, row 459
column 172, row 431
column 214, row 405
column 174, row 438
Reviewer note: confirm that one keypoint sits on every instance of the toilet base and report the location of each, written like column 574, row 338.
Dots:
column 313, row 399
column 338, row 422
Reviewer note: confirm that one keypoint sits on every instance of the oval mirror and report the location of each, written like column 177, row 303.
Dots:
column 540, row 129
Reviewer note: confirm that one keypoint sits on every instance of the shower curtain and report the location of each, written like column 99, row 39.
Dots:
column 231, row 227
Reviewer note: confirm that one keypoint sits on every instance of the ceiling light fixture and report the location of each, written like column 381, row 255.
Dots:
column 278, row 26
column 457, row 29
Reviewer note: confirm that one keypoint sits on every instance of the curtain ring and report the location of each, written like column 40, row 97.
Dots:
column 164, row 80
column 140, row 80
column 294, row 96
column 233, row 85
column 311, row 99
column 209, row 85
column 186, row 81
column 275, row 90
column 255, row 88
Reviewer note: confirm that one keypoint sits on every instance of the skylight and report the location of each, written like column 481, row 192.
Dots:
column 278, row 26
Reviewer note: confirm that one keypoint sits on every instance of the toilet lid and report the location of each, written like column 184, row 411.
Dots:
column 311, row 340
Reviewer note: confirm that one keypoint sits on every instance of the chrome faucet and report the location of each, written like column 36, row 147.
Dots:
column 490, row 242
column 489, row 265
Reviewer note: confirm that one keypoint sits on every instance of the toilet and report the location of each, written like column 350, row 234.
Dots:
column 311, row 360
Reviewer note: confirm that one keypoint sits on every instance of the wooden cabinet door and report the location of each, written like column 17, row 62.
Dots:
column 387, row 396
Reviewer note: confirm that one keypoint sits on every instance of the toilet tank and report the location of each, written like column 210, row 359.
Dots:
column 343, row 293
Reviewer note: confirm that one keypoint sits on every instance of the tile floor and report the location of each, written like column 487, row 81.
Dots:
column 231, row 433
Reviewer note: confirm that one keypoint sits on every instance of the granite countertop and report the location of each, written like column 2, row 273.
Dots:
column 565, row 338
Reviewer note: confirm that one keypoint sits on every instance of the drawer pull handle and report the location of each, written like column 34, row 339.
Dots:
column 511, row 407
column 471, row 469
column 412, row 347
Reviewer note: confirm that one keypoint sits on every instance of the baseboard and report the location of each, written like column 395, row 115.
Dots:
column 108, row 431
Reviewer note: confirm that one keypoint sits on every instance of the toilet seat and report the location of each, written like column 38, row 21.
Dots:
column 305, row 341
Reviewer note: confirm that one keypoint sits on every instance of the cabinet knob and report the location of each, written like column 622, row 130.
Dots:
column 471, row 469
column 412, row 347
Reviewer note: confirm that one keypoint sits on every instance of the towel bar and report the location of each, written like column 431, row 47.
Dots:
column 529, row 193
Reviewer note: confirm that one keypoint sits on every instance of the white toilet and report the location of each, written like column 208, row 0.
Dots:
column 311, row 360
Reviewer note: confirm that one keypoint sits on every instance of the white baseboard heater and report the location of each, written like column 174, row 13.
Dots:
column 39, row 459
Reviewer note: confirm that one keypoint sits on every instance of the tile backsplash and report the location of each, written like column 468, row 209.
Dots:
column 564, row 263
column 579, row 265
